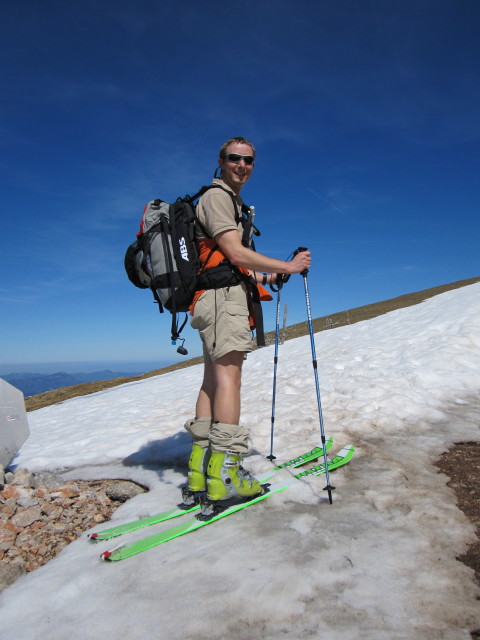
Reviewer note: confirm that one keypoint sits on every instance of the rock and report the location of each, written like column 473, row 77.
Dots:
column 14, row 428
column 47, row 479
column 122, row 490
column 10, row 572
column 8, row 535
column 70, row 491
column 52, row 510
column 99, row 518
column 27, row 502
column 8, row 510
column 7, row 540
column 25, row 518
column 12, row 492
column 24, row 478
column 42, row 549
column 2, row 477
column 8, row 526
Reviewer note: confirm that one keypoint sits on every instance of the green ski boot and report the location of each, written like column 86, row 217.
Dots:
column 197, row 465
column 197, row 482
column 228, row 479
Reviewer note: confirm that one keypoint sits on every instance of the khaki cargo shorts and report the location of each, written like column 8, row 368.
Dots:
column 221, row 317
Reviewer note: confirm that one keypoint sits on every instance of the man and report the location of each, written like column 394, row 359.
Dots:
column 222, row 317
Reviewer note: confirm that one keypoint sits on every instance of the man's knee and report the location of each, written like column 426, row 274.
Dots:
column 228, row 369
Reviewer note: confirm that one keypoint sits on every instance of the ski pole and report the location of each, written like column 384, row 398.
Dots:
column 329, row 487
column 275, row 362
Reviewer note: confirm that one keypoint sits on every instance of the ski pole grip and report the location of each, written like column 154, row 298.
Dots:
column 299, row 250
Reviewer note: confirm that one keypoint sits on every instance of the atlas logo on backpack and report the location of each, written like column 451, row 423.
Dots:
column 183, row 249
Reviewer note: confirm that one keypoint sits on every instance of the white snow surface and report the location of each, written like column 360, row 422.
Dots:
column 379, row 563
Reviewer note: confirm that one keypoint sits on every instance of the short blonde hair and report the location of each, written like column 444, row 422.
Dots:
column 223, row 148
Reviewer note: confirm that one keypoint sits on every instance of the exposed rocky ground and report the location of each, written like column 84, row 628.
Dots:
column 462, row 465
column 40, row 514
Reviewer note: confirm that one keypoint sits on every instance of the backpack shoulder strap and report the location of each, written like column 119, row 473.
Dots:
column 243, row 216
column 205, row 188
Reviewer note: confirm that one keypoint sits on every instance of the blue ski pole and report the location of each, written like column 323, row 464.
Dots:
column 275, row 363
column 329, row 487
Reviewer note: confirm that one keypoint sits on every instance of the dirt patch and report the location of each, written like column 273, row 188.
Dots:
column 462, row 465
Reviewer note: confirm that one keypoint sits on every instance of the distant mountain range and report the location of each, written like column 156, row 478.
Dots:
column 33, row 383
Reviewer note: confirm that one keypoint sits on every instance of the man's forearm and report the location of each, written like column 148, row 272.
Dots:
column 240, row 256
column 243, row 257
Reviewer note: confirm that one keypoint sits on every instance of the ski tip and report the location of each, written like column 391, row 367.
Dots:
column 93, row 536
column 106, row 555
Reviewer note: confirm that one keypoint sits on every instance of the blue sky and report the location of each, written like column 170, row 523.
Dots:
column 365, row 119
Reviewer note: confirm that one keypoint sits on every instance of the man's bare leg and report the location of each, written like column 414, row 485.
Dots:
column 228, row 380
column 206, row 395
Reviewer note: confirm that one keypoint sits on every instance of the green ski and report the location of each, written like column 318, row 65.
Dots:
column 113, row 532
column 125, row 551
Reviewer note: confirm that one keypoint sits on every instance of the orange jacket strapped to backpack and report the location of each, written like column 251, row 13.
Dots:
column 212, row 256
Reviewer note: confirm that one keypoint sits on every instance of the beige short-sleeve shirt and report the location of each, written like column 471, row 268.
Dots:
column 216, row 212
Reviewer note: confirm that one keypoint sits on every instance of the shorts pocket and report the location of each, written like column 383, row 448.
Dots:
column 203, row 313
column 236, row 316
column 235, row 309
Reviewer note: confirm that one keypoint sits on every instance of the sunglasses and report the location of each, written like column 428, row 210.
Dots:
column 236, row 157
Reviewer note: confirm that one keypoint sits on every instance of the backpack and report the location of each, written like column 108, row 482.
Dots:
column 164, row 257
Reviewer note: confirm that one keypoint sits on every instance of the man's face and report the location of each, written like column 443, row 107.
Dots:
column 236, row 174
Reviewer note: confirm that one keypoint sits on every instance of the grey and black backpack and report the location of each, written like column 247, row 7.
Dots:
column 164, row 257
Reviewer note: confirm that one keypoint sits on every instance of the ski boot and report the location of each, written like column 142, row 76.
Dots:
column 197, row 483
column 197, row 463
column 227, row 483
